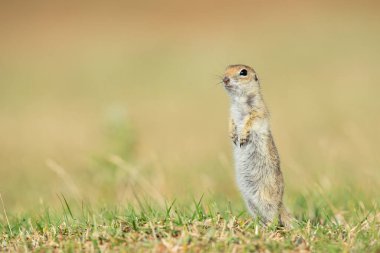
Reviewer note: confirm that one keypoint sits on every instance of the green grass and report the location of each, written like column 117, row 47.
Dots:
column 203, row 226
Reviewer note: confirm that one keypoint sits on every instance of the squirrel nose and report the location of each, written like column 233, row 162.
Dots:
column 226, row 80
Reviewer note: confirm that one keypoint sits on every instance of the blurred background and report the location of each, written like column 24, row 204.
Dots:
column 104, row 101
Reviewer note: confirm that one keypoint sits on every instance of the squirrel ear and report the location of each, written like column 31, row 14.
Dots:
column 255, row 77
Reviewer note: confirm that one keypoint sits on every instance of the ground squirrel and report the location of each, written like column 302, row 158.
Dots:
column 257, row 162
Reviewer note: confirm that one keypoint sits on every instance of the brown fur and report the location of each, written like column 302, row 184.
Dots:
column 248, row 123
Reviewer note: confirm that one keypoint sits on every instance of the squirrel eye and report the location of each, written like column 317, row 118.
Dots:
column 243, row 72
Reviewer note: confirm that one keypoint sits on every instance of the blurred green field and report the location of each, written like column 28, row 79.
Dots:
column 106, row 102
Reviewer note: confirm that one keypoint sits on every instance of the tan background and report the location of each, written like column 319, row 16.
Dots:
column 82, row 82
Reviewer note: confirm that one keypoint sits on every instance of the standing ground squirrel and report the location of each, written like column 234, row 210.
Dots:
column 257, row 162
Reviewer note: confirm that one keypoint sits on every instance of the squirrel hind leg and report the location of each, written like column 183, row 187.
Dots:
column 286, row 219
column 265, row 213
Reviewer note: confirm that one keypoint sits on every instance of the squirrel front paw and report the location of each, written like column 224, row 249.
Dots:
column 233, row 132
column 244, row 138
column 234, row 138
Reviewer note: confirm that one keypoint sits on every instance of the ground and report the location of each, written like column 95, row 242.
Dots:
column 201, row 227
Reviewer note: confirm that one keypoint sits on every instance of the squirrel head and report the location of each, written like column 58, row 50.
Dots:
column 241, row 80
